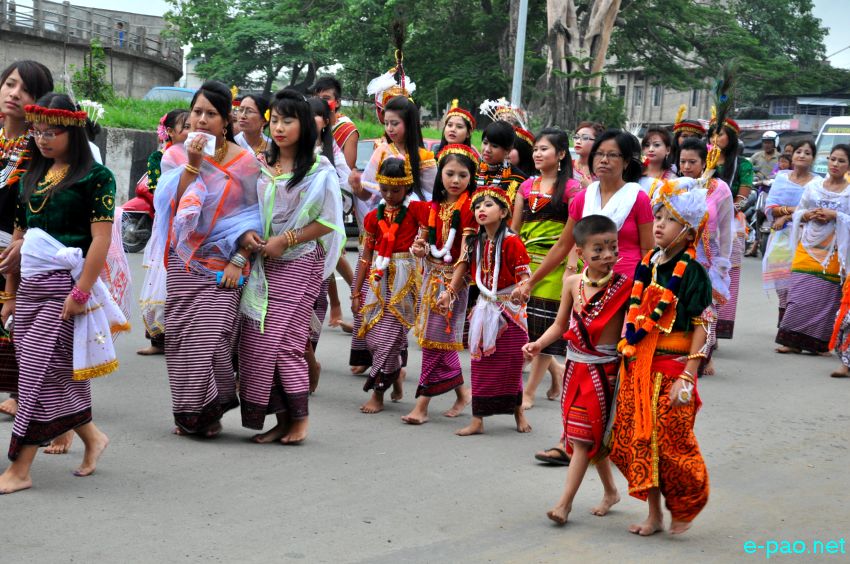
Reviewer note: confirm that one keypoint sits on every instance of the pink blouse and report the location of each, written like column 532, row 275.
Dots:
column 628, row 240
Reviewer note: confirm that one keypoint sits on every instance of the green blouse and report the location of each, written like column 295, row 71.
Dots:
column 694, row 291
column 743, row 176
column 67, row 214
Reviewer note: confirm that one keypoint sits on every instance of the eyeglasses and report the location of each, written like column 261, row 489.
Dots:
column 47, row 134
column 607, row 156
column 583, row 138
column 243, row 111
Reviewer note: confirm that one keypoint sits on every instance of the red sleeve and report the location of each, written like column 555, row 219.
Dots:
column 467, row 220
column 577, row 207
column 418, row 211
column 515, row 254
column 642, row 209
column 572, row 189
column 525, row 188
column 370, row 223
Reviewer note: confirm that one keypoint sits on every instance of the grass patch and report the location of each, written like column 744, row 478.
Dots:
column 130, row 113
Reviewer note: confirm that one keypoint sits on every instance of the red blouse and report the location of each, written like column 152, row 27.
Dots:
column 417, row 214
column 514, row 262
column 468, row 226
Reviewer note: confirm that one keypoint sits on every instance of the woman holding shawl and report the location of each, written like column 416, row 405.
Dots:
column 821, row 236
column 206, row 227
column 64, row 316
column 782, row 202
column 303, row 236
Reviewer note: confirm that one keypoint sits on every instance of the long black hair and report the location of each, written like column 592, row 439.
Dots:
column 320, row 108
column 629, row 147
column 730, row 155
column 526, row 155
column 36, row 77
column 501, row 134
column 561, row 142
column 444, row 142
column 79, row 157
column 292, row 104
column 221, row 99
column 409, row 114
column 440, row 192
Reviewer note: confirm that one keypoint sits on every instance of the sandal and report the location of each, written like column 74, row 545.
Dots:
column 559, row 458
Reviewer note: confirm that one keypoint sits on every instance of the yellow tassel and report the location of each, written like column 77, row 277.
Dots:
column 234, row 91
column 454, row 103
column 713, row 113
column 681, row 113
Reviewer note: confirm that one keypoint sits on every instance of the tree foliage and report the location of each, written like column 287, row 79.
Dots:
column 90, row 82
column 464, row 48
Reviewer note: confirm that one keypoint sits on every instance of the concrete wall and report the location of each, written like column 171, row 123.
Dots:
column 642, row 106
column 125, row 152
column 130, row 75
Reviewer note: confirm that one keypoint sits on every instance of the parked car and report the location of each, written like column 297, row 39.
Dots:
column 170, row 93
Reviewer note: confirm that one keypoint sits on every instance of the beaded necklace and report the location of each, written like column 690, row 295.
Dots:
column 51, row 179
column 646, row 274
column 495, row 262
column 535, row 197
column 504, row 175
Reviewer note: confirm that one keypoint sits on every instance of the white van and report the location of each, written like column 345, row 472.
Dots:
column 836, row 130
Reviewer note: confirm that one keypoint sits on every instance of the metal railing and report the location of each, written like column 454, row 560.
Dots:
column 75, row 24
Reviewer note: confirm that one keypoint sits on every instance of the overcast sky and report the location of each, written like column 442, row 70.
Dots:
column 833, row 13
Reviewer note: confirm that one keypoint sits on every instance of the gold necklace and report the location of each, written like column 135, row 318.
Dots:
column 262, row 146
column 51, row 179
column 221, row 152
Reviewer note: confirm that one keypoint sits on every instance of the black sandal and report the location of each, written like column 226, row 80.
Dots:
column 563, row 459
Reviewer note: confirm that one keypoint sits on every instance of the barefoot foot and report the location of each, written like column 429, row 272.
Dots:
column 398, row 386
column 522, row 424
column 709, row 368
column 559, row 514
column 356, row 370
column 94, row 448
column 297, row 432
column 11, row 483
column 788, row 350
column 374, row 405
column 608, row 501
column 415, row 417
column 212, row 431
column 460, row 403
column 9, row 407
column 272, row 435
column 527, row 402
column 474, row 428
column 679, row 527
column 61, row 444
column 150, row 351
column 647, row 528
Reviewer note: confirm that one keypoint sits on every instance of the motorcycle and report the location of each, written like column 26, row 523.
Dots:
column 137, row 219
column 757, row 221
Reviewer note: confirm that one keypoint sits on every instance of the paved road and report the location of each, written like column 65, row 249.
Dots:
column 774, row 431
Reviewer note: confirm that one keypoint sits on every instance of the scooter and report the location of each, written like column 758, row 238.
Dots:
column 759, row 226
column 137, row 219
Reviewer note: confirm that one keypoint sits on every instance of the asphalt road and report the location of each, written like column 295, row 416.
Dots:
column 774, row 431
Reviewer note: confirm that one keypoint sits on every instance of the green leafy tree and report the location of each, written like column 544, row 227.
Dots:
column 89, row 82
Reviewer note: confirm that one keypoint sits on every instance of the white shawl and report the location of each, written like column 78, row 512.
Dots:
column 94, row 352
column 619, row 205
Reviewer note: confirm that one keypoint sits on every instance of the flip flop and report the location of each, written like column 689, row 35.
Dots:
column 562, row 459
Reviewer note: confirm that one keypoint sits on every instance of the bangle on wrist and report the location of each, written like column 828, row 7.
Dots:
column 192, row 169
column 79, row 296
column 238, row 260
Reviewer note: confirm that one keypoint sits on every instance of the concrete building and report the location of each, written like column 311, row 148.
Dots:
column 59, row 34
column 653, row 104
column 809, row 110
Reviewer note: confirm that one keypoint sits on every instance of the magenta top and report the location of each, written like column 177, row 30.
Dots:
column 628, row 240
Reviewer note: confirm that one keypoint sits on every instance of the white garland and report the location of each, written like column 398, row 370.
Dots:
column 490, row 294
column 381, row 261
column 444, row 253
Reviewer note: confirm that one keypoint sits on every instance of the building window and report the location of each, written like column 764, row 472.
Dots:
column 657, row 93
column 694, row 98
column 638, row 96
column 621, row 91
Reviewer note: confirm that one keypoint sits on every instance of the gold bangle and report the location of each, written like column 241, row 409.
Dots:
column 191, row 169
column 686, row 378
column 363, row 261
column 696, row 355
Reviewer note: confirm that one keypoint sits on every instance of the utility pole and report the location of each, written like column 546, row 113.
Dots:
column 519, row 54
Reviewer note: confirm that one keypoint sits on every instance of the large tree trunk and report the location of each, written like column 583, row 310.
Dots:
column 577, row 44
column 507, row 46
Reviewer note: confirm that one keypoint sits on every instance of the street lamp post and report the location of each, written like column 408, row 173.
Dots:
column 519, row 54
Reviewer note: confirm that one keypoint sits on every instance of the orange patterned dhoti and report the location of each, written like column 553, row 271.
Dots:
column 666, row 455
